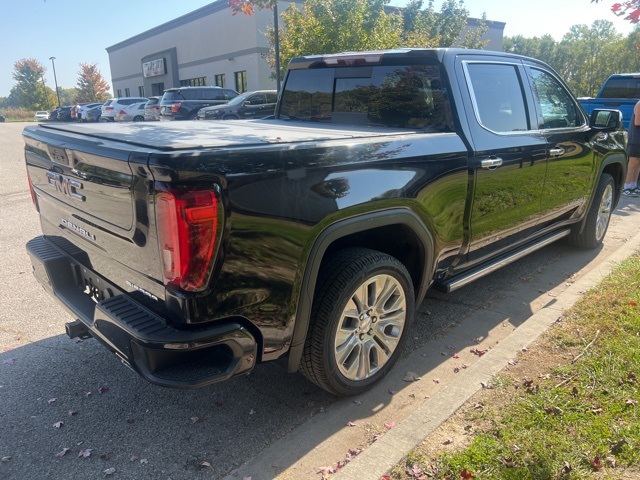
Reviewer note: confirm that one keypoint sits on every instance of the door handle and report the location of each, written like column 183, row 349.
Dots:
column 491, row 163
column 556, row 152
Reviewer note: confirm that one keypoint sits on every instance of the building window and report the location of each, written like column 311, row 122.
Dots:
column 194, row 82
column 127, row 93
column 119, row 93
column 220, row 80
column 141, row 91
column 241, row 81
column 157, row 89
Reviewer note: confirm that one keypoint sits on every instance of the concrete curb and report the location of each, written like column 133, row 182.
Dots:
column 380, row 457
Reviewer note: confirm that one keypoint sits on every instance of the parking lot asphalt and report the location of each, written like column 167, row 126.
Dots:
column 56, row 394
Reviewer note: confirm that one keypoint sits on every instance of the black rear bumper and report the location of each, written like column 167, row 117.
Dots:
column 141, row 339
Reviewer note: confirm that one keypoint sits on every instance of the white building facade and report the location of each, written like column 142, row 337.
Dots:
column 209, row 46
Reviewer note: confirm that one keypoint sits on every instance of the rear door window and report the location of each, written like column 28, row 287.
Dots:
column 498, row 96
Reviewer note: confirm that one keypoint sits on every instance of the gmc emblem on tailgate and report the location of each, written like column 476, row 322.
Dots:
column 66, row 186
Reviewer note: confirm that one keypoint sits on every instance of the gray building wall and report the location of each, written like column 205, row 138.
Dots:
column 207, row 42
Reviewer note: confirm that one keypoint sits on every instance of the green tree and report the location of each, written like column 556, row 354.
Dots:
column 29, row 90
column 91, row 86
column 586, row 55
column 424, row 27
column 329, row 26
column 68, row 96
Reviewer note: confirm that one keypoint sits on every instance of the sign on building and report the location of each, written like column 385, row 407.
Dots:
column 154, row 68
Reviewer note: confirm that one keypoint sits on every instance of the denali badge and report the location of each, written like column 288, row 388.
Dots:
column 77, row 229
column 141, row 290
column 65, row 185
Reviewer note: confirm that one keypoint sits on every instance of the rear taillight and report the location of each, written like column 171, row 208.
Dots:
column 122, row 112
column 175, row 107
column 108, row 108
column 188, row 225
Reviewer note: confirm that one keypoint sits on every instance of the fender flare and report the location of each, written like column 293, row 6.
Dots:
column 339, row 230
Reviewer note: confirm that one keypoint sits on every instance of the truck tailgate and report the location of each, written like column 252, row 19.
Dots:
column 94, row 194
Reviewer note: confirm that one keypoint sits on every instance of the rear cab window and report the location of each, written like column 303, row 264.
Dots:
column 393, row 96
column 621, row 88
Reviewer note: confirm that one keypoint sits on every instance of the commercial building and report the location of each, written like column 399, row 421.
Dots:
column 209, row 46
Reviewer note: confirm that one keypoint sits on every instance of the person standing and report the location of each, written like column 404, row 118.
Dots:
column 630, row 188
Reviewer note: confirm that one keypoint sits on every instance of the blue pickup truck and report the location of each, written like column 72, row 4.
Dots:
column 621, row 92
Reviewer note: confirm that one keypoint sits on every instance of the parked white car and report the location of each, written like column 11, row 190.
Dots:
column 41, row 115
column 131, row 113
column 82, row 111
column 112, row 106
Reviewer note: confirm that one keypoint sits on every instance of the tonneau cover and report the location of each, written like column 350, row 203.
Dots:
column 187, row 135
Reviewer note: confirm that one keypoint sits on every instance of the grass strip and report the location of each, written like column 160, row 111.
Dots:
column 570, row 408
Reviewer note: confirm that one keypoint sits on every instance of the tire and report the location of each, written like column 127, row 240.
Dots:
column 353, row 339
column 138, row 118
column 231, row 117
column 598, row 217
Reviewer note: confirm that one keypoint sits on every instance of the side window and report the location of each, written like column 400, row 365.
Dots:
column 272, row 98
column 257, row 99
column 554, row 102
column 189, row 94
column 498, row 96
column 211, row 94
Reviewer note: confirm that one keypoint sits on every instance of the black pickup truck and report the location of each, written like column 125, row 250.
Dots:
column 196, row 250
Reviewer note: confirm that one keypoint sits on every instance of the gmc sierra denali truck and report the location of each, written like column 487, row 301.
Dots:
column 196, row 250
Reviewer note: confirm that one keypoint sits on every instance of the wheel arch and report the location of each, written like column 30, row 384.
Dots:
column 398, row 232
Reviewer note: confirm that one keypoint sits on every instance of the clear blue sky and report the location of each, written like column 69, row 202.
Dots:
column 79, row 31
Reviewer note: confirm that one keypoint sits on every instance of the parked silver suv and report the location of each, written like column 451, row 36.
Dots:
column 114, row 105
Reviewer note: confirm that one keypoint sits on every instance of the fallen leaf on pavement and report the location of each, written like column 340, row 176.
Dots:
column 62, row 452
column 51, row 400
column 389, row 425
column 85, row 453
column 58, row 424
column 110, row 471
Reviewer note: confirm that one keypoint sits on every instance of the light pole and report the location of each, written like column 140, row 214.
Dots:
column 276, row 42
column 55, row 79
